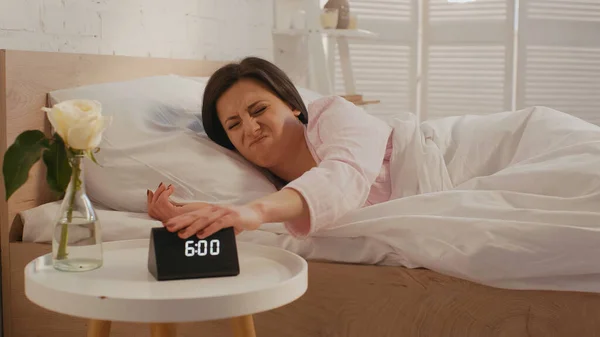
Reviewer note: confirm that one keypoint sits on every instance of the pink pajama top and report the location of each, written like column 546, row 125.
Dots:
column 352, row 151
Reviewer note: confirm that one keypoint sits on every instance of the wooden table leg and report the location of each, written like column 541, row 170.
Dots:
column 163, row 330
column 98, row 328
column 243, row 326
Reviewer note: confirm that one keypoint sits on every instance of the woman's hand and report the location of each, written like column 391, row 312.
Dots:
column 159, row 205
column 209, row 219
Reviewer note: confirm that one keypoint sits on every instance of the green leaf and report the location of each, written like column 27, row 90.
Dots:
column 20, row 157
column 93, row 158
column 58, row 170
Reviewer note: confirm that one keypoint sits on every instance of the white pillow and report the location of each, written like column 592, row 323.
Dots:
column 156, row 136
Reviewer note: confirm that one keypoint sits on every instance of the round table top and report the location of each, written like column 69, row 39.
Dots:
column 124, row 290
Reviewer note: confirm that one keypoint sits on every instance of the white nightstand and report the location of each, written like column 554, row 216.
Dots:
column 123, row 290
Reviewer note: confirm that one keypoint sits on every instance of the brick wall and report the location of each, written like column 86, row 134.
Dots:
column 200, row 29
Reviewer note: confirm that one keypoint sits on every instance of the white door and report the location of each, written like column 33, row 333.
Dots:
column 467, row 57
column 559, row 56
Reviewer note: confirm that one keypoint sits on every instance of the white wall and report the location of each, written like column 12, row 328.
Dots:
column 199, row 29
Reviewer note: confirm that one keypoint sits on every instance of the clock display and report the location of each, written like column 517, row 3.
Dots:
column 202, row 247
column 171, row 257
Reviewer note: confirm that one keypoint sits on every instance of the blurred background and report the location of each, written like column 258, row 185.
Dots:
column 432, row 57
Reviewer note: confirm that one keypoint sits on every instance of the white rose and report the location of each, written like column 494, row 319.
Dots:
column 79, row 123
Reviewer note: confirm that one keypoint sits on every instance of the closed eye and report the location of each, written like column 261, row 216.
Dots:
column 256, row 112
column 259, row 111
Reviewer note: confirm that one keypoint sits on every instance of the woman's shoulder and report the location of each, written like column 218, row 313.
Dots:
column 321, row 104
column 330, row 107
column 339, row 111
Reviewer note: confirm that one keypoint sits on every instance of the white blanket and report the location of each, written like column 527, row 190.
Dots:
column 509, row 200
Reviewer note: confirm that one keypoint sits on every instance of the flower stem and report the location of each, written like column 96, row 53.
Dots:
column 75, row 185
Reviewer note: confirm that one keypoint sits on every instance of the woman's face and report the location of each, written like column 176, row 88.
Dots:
column 262, row 127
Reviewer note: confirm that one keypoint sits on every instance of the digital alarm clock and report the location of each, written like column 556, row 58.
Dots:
column 171, row 257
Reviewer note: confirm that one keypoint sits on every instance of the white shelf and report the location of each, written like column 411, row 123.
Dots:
column 320, row 62
column 349, row 33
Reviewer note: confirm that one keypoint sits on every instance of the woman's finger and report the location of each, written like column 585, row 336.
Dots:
column 164, row 196
column 236, row 230
column 200, row 223
column 159, row 190
column 149, row 198
column 180, row 222
column 224, row 222
column 185, row 220
column 210, row 229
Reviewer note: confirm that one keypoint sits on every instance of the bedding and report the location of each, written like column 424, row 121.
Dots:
column 510, row 200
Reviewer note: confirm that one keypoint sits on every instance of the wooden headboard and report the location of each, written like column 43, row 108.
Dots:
column 25, row 80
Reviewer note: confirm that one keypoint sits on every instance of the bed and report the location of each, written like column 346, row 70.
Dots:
column 343, row 299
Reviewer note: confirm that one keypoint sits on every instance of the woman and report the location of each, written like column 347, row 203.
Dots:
column 332, row 157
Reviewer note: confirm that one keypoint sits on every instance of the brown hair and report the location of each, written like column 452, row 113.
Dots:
column 266, row 73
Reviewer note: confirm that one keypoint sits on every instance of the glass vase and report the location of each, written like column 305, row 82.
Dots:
column 77, row 239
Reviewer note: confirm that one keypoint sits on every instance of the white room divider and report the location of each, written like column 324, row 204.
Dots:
column 559, row 56
column 467, row 57
column 451, row 57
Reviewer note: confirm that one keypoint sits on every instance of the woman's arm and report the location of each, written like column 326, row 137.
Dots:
column 281, row 206
column 204, row 219
column 351, row 146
